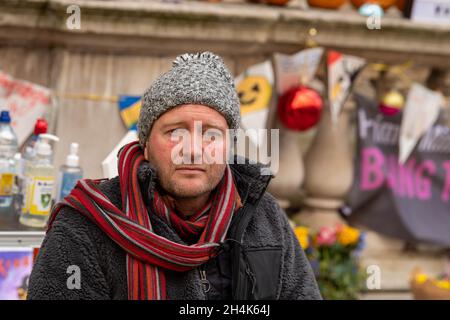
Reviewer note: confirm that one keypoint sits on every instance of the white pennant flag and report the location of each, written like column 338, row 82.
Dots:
column 296, row 69
column 342, row 71
column 254, row 87
column 420, row 113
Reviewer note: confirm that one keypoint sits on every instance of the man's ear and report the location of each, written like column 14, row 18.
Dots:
column 146, row 151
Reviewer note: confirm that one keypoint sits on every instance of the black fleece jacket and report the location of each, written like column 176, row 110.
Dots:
column 74, row 240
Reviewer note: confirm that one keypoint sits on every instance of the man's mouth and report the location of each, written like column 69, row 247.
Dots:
column 190, row 169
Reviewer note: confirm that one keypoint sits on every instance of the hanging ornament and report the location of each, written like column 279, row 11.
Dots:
column 370, row 10
column 385, row 4
column 300, row 108
column 392, row 102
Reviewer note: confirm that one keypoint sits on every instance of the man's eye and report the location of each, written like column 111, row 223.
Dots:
column 213, row 135
column 170, row 131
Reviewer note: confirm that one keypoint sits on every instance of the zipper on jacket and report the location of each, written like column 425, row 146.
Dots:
column 238, row 237
column 206, row 285
column 252, row 277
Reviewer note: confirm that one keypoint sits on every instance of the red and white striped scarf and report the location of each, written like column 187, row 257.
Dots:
column 149, row 254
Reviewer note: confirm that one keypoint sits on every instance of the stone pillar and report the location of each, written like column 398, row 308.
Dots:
column 328, row 171
column 285, row 186
column 329, row 163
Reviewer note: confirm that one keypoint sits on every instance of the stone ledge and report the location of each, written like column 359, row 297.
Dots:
column 396, row 270
column 244, row 29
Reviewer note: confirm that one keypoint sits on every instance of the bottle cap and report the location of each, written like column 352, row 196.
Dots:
column 73, row 159
column 44, row 148
column 40, row 127
column 4, row 117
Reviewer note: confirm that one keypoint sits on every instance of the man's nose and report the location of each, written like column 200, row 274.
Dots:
column 196, row 147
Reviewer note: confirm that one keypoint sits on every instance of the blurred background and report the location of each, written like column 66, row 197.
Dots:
column 317, row 70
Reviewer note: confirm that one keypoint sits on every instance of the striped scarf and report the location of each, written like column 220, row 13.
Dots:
column 149, row 254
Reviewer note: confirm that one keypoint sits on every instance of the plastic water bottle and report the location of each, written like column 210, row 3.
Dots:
column 40, row 178
column 8, row 149
column 69, row 173
column 20, row 183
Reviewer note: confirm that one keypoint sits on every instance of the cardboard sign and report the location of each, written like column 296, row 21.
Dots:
column 25, row 101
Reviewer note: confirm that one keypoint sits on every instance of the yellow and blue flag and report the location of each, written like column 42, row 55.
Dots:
column 129, row 107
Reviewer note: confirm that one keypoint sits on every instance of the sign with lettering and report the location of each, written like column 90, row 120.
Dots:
column 408, row 200
column 431, row 11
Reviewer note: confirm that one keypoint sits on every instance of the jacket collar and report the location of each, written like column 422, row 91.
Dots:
column 250, row 181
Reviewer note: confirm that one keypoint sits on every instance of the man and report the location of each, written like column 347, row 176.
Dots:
column 174, row 224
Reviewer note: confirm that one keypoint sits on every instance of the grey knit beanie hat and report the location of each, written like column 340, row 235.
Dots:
column 200, row 78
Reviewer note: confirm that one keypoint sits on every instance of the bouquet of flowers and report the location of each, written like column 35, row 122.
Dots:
column 333, row 253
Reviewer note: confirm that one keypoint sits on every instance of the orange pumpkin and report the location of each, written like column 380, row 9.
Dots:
column 326, row 4
column 385, row 4
column 277, row 2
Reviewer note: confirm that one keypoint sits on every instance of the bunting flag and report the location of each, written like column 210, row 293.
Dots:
column 129, row 107
column 254, row 88
column 421, row 112
column 342, row 71
column 297, row 69
column 299, row 107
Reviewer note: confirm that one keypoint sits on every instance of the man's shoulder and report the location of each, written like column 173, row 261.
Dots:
column 266, row 228
column 74, row 226
column 73, row 223
column 269, row 208
column 111, row 189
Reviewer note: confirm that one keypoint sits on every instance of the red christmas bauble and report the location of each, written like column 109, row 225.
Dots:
column 388, row 110
column 300, row 108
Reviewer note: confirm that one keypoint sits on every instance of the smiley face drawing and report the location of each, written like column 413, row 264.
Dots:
column 254, row 93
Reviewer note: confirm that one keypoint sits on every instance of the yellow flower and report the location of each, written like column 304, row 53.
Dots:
column 421, row 278
column 302, row 236
column 443, row 284
column 348, row 235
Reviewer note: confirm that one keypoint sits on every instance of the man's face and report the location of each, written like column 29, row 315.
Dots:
column 181, row 145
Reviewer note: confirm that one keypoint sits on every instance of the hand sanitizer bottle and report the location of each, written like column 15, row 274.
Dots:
column 39, row 184
column 69, row 173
